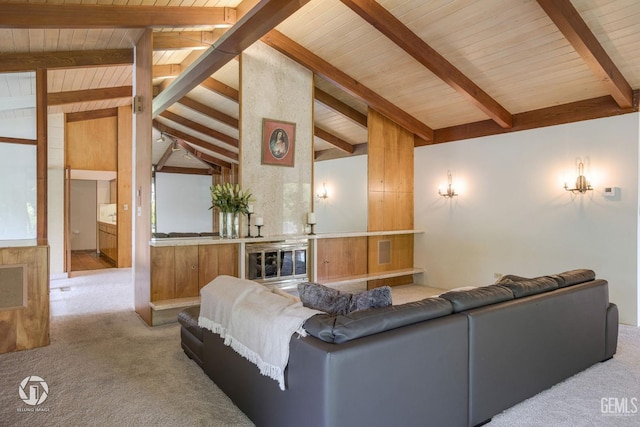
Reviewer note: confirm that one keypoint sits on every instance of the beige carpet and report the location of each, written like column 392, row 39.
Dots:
column 108, row 368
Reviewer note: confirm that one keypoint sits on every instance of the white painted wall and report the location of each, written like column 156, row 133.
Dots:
column 182, row 203
column 346, row 207
column 55, row 200
column 84, row 224
column 513, row 216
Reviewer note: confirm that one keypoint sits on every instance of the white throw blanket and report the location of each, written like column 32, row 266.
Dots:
column 257, row 323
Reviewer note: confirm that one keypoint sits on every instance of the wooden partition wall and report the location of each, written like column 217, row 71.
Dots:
column 390, row 165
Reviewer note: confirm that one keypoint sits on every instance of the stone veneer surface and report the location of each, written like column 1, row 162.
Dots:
column 274, row 87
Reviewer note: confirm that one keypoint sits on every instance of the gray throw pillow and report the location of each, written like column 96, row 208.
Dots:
column 373, row 298
column 333, row 301
column 318, row 297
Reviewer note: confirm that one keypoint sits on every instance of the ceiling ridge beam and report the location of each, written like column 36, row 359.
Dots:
column 308, row 59
column 197, row 127
column 47, row 15
column 195, row 140
column 60, row 60
column 210, row 112
column 588, row 109
column 88, row 95
column 340, row 107
column 385, row 22
column 336, row 141
column 576, row 31
column 262, row 18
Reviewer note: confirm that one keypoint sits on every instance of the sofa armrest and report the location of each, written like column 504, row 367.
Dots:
column 611, row 331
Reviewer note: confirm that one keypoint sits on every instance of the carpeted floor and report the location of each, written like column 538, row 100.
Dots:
column 105, row 366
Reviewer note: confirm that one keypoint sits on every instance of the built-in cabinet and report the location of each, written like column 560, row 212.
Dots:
column 341, row 257
column 108, row 240
column 179, row 272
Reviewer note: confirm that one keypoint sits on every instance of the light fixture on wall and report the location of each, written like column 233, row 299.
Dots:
column 582, row 183
column 323, row 194
column 450, row 191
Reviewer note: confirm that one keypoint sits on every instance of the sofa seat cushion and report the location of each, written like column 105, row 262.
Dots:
column 188, row 318
column 477, row 297
column 525, row 288
column 342, row 328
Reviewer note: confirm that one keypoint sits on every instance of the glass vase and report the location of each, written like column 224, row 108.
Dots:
column 229, row 225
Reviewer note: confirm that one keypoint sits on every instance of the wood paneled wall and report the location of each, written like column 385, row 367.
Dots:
column 124, row 195
column 390, row 164
column 92, row 144
column 28, row 327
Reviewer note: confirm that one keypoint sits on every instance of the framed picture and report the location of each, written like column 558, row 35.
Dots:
column 278, row 142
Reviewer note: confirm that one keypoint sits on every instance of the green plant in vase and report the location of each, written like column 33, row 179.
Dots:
column 230, row 201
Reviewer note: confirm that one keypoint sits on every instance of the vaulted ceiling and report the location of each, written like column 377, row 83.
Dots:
column 444, row 69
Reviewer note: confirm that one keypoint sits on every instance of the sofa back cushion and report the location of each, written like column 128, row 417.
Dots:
column 342, row 328
column 573, row 277
column 525, row 288
column 477, row 297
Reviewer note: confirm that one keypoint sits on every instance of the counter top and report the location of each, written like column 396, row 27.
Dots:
column 108, row 222
column 189, row 241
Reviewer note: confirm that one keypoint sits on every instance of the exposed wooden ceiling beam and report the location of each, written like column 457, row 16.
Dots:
column 165, row 156
column 340, row 107
column 18, row 140
column 571, row 24
column 385, row 22
column 166, row 70
column 88, row 95
column 72, row 59
column 186, row 171
column 194, row 140
column 588, row 109
column 265, row 16
column 91, row 115
column 303, row 56
column 210, row 112
column 200, row 128
column 179, row 40
column 47, row 15
column 333, row 140
column 221, row 89
column 209, row 160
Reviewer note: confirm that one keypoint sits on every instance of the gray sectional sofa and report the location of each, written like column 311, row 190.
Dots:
column 456, row 360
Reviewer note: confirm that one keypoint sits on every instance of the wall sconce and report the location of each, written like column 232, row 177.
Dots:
column 450, row 191
column 582, row 184
column 323, row 194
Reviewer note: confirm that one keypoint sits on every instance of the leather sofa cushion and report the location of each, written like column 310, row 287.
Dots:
column 525, row 288
column 342, row 328
column 573, row 277
column 477, row 297
column 188, row 318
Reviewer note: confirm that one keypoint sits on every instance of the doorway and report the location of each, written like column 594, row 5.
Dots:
column 92, row 230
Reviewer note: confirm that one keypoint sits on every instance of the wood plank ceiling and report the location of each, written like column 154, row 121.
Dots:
column 445, row 70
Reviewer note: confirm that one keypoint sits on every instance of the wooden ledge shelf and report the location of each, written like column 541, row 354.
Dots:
column 169, row 304
column 366, row 277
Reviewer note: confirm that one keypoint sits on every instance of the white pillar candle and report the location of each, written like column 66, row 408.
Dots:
column 311, row 218
column 259, row 221
column 250, row 208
